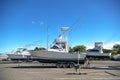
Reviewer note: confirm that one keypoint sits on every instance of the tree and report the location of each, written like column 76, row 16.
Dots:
column 70, row 50
column 41, row 48
column 117, row 48
column 80, row 48
column 36, row 48
column 107, row 51
column 114, row 51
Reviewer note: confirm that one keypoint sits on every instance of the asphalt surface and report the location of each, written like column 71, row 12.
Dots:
column 98, row 70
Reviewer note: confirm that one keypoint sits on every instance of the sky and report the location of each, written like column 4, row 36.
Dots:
column 24, row 23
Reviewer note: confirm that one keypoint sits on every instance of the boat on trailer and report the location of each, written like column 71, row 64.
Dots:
column 58, row 52
column 97, row 52
column 20, row 55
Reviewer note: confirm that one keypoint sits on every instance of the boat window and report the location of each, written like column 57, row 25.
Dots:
column 63, row 46
column 54, row 47
column 93, row 50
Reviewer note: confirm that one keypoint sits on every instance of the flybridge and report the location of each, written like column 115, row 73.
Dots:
column 60, row 44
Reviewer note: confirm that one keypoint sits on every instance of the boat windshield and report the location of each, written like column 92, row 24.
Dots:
column 54, row 47
column 93, row 50
column 58, row 46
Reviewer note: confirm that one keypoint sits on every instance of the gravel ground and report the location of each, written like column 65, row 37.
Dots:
column 99, row 70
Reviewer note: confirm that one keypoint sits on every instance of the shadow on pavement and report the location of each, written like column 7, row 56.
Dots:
column 28, row 67
column 76, row 73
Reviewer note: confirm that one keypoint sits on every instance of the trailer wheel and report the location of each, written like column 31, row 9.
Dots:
column 59, row 65
column 65, row 65
column 71, row 65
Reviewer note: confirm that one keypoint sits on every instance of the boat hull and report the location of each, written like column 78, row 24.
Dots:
column 55, row 57
column 17, row 56
column 98, row 55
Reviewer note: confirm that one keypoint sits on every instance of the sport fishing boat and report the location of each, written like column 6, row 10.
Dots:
column 21, row 54
column 97, row 52
column 58, row 52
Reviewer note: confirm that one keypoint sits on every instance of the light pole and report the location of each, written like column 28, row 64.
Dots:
column 47, row 37
column 78, row 62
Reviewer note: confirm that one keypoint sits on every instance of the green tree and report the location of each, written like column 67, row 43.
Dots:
column 117, row 48
column 107, row 51
column 41, row 48
column 80, row 48
column 114, row 52
column 70, row 50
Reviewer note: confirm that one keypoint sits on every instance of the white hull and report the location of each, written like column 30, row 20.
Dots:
column 17, row 56
column 97, row 54
column 117, row 57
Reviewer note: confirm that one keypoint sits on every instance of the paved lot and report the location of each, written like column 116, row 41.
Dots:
column 99, row 70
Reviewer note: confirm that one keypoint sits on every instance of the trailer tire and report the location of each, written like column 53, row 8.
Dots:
column 65, row 65
column 59, row 65
column 71, row 65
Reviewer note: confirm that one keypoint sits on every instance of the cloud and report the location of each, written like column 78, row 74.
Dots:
column 90, row 46
column 38, row 22
column 110, row 45
column 33, row 22
column 41, row 22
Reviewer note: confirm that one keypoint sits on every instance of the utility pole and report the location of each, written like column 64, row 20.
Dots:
column 78, row 62
column 47, row 38
column 77, row 66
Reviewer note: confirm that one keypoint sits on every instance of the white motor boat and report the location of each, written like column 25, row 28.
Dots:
column 116, row 57
column 20, row 54
column 93, row 53
column 58, row 52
